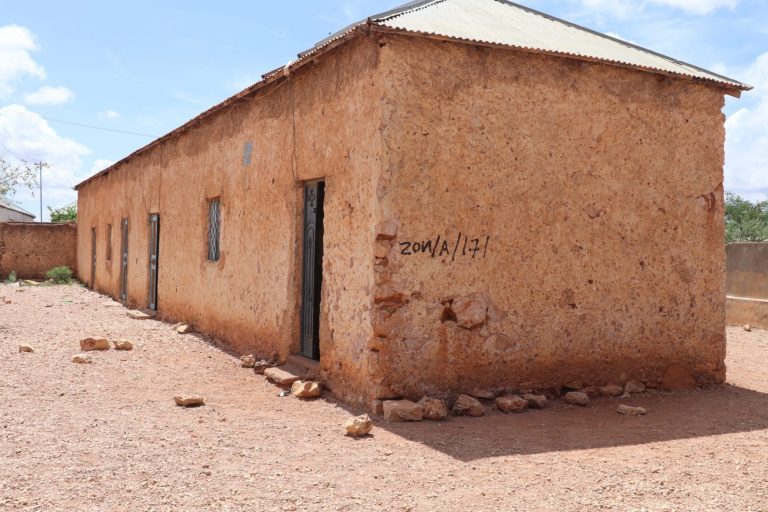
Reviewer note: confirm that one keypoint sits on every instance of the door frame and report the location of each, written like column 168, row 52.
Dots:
column 154, row 259
column 312, row 230
column 124, row 259
column 93, row 258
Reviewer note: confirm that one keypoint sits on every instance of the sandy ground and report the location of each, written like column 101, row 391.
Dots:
column 107, row 436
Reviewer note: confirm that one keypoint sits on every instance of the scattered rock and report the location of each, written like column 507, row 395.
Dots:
column 184, row 329
column 90, row 344
column 139, row 315
column 484, row 394
column 248, row 361
column 308, row 389
column 677, row 378
column 536, row 401
column 611, row 390
column 189, row 400
column 434, row 408
column 634, row 386
column 280, row 377
column 626, row 410
column 261, row 366
column 467, row 406
column 377, row 407
column 577, row 398
column 82, row 359
column 123, row 345
column 26, row 349
column 748, row 328
column 511, row 403
column 7, row 301
column 359, row 426
column 402, row 410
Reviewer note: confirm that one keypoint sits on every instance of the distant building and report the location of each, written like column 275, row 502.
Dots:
column 11, row 212
column 453, row 196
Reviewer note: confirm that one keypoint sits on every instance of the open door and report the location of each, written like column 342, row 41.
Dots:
column 312, row 269
column 124, row 260
column 154, row 250
column 93, row 258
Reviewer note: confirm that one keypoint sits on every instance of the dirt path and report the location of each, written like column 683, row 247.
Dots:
column 107, row 436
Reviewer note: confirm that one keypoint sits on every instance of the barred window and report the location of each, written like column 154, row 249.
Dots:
column 214, row 229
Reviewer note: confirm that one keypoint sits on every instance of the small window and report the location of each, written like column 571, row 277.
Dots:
column 214, row 229
column 109, row 242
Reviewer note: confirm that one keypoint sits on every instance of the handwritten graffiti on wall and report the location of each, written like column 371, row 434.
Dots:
column 462, row 247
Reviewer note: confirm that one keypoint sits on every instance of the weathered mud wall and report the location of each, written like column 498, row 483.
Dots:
column 747, row 284
column 558, row 221
column 30, row 249
column 255, row 156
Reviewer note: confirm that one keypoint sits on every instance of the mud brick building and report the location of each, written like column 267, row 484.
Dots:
column 453, row 195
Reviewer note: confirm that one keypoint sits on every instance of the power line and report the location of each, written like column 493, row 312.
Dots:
column 92, row 127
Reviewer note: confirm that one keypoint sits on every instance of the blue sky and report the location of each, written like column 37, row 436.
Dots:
column 148, row 66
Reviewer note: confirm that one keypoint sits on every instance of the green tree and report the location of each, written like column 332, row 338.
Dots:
column 12, row 176
column 64, row 214
column 745, row 221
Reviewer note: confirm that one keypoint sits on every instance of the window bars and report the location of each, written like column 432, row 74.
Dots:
column 214, row 229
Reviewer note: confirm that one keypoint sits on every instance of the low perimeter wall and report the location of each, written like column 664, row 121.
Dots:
column 30, row 249
column 747, row 284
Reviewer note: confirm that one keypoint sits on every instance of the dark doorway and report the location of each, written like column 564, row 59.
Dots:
column 124, row 260
column 93, row 258
column 154, row 252
column 312, row 269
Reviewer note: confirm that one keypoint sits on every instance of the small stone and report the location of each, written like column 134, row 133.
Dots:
column 184, row 329
column 124, row 345
column 511, row 403
column 484, row 394
column 306, row 389
column 139, row 315
column 577, row 398
column 248, row 361
column 536, row 401
column 611, row 390
column 90, row 344
column 261, row 366
column 359, row 426
column 402, row 410
column 748, row 328
column 634, row 386
column 626, row 410
column 26, row 349
column 82, row 359
column 467, row 406
column 434, row 408
column 7, row 301
column 189, row 400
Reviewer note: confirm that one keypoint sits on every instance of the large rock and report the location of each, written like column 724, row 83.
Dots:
column 189, row 400
column 139, row 315
column 26, row 349
column 677, row 378
column 536, row 401
column 359, row 426
column 184, row 329
column 402, row 410
column 281, row 377
column 511, row 403
column 611, row 390
column 123, row 345
column 626, row 410
column 308, row 389
column 634, row 386
column 467, row 406
column 82, row 359
column 248, row 361
column 577, row 398
column 434, row 408
column 261, row 366
column 91, row 344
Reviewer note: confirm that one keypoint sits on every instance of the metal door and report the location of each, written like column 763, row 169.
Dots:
column 124, row 260
column 154, row 250
column 93, row 258
column 312, row 269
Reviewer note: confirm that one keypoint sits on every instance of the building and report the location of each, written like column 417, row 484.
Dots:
column 11, row 212
column 453, row 195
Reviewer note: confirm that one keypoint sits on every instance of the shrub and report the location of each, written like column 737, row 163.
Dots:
column 12, row 277
column 60, row 275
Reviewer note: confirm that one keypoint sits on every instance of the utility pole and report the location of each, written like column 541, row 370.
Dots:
column 40, row 166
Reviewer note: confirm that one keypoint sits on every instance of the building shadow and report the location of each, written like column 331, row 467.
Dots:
column 681, row 415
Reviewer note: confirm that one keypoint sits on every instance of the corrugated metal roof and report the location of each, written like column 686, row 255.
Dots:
column 493, row 22
column 8, row 205
column 508, row 24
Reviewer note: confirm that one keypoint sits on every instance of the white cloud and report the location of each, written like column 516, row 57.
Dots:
column 698, row 6
column 101, row 164
column 625, row 8
column 47, row 95
column 746, row 148
column 16, row 45
column 26, row 135
column 109, row 114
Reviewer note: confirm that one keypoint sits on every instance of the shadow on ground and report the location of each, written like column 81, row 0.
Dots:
column 682, row 415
